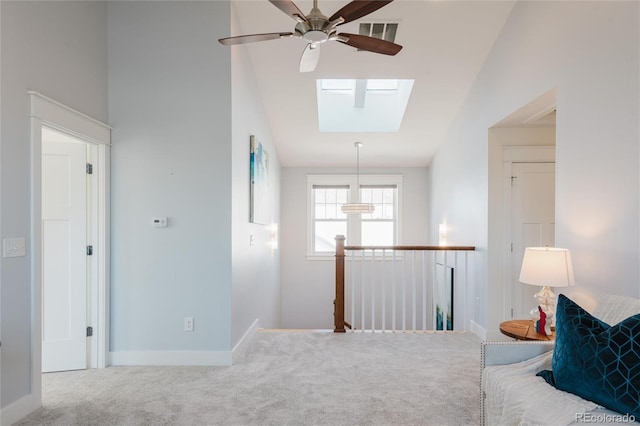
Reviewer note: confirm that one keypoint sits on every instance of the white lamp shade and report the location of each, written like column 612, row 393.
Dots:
column 547, row 266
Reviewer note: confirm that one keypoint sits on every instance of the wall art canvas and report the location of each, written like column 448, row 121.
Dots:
column 444, row 297
column 259, row 211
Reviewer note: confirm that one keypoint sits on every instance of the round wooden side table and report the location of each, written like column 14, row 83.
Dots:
column 523, row 330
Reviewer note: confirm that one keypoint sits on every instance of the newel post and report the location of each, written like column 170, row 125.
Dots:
column 338, row 303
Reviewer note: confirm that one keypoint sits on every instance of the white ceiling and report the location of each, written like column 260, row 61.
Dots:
column 445, row 45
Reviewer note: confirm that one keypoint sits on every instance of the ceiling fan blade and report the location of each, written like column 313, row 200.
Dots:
column 371, row 44
column 289, row 7
column 357, row 9
column 251, row 38
column 309, row 58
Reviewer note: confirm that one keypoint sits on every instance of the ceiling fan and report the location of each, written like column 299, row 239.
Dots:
column 315, row 28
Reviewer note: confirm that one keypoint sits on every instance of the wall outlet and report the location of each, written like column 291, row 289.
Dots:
column 188, row 323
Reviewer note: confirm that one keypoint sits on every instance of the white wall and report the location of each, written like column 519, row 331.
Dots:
column 256, row 269
column 170, row 108
column 57, row 49
column 588, row 51
column 308, row 286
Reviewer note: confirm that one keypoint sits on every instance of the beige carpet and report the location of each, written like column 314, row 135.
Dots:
column 285, row 378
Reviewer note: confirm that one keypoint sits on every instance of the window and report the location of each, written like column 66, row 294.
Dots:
column 362, row 105
column 326, row 219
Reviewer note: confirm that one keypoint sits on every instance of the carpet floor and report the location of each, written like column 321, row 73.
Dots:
column 284, row 378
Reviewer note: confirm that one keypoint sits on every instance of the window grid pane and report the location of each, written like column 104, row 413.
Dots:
column 377, row 233
column 328, row 202
column 383, row 200
column 329, row 220
column 325, row 235
column 378, row 228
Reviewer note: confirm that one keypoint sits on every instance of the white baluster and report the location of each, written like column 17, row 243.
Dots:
column 404, row 293
column 424, row 290
column 413, row 285
column 445, row 311
column 384, row 291
column 393, row 292
column 434, row 283
column 373, row 290
column 352, row 257
column 466, row 291
column 362, row 291
column 455, row 293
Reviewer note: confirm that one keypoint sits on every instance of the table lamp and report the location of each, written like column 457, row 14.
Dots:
column 547, row 267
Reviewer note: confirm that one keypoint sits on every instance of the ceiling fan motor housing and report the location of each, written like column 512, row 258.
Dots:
column 317, row 28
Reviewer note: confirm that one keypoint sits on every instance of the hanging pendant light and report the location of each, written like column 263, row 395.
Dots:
column 358, row 207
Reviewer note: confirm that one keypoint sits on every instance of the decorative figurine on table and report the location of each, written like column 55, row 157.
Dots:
column 543, row 321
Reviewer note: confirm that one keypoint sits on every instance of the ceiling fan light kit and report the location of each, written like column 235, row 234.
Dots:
column 315, row 28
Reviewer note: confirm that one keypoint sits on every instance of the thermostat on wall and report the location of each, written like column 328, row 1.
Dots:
column 159, row 222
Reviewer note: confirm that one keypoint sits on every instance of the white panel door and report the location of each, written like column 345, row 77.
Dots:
column 532, row 225
column 64, row 261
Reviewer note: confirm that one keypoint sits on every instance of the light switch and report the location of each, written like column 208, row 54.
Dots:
column 14, row 247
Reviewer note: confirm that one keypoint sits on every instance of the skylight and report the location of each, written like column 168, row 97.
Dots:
column 337, row 84
column 388, row 85
column 362, row 105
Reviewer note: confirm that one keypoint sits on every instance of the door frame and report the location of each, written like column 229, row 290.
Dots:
column 47, row 112
column 510, row 155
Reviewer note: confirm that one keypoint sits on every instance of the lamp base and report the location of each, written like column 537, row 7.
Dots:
column 547, row 302
column 546, row 299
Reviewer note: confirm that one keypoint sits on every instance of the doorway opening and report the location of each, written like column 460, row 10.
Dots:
column 521, row 204
column 69, row 213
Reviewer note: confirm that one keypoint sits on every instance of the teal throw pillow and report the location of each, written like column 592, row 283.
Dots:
column 596, row 361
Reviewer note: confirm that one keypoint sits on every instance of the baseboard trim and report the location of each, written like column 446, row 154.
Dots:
column 486, row 335
column 18, row 410
column 244, row 341
column 202, row 358
column 156, row 358
column 496, row 335
column 478, row 330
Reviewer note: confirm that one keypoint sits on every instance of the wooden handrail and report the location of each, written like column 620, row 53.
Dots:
column 338, row 303
column 409, row 248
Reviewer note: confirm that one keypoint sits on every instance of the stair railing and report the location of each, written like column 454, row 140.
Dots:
column 401, row 286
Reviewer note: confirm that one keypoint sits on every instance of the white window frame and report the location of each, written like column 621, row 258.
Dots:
column 352, row 222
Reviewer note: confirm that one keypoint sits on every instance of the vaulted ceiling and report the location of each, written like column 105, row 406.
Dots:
column 445, row 45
